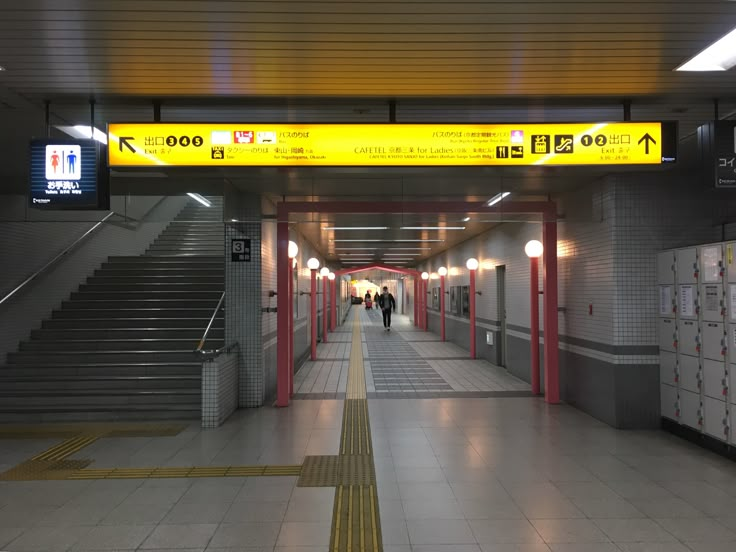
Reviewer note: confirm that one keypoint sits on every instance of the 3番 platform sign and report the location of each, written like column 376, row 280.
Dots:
column 380, row 145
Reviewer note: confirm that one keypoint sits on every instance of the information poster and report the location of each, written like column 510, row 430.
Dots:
column 732, row 301
column 687, row 301
column 665, row 300
column 712, row 301
column 711, row 264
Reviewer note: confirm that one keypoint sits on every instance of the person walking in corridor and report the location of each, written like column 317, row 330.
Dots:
column 388, row 303
column 375, row 300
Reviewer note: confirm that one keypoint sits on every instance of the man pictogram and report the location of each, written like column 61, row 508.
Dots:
column 71, row 161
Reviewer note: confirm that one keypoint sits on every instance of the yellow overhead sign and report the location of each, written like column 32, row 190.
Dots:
column 367, row 145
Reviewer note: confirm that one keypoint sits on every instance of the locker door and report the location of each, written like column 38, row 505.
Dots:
column 716, row 418
column 713, row 302
column 730, row 301
column 690, row 373
column 732, row 382
column 714, row 340
column 688, row 301
column 730, row 262
column 668, row 401
column 711, row 263
column 667, row 334
column 667, row 301
column 666, row 267
column 731, row 342
column 668, row 368
column 714, row 379
column 690, row 414
column 689, row 338
column 687, row 266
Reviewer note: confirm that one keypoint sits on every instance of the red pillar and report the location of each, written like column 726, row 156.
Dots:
column 442, row 308
column 416, row 298
column 324, row 309
column 472, row 314
column 282, row 311
column 425, row 319
column 313, row 309
column 551, row 366
column 290, row 341
column 333, row 305
column 534, row 312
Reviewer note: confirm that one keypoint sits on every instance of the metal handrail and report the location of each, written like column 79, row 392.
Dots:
column 214, row 353
column 55, row 259
column 212, row 320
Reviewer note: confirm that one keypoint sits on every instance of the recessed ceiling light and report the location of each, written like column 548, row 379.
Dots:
column 82, row 131
column 355, row 248
column 421, row 241
column 355, row 228
column 466, row 219
column 401, row 254
column 389, row 241
column 359, row 241
column 409, row 248
column 719, row 56
column 433, row 228
column 498, row 197
column 2, row 68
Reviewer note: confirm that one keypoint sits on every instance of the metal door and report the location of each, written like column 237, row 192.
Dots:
column 501, row 291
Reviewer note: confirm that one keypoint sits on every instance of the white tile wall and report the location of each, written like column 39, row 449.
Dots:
column 219, row 389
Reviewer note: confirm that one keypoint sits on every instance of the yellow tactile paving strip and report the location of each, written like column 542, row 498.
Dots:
column 54, row 463
column 355, row 521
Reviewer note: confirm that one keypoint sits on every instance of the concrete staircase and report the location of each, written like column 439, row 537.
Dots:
column 122, row 346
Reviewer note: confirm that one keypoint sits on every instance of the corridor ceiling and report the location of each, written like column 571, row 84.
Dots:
column 389, row 48
column 346, row 61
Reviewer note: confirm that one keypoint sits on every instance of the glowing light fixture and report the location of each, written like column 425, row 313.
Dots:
column 472, row 264
column 533, row 249
column 442, row 271
column 498, row 197
column 331, row 276
column 432, row 228
column 719, row 56
column 313, row 264
column 324, row 272
column 355, row 228
column 293, row 249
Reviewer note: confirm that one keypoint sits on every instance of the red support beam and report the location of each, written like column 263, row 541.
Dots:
column 313, row 313
column 434, row 207
column 333, row 304
column 472, row 314
column 375, row 266
column 442, row 308
column 551, row 366
column 416, row 298
column 282, row 310
column 534, row 313
column 290, row 341
column 324, row 309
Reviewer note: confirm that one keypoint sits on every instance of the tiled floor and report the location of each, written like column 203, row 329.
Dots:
column 407, row 361
column 494, row 474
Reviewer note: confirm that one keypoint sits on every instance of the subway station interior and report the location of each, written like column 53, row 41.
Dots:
column 406, row 276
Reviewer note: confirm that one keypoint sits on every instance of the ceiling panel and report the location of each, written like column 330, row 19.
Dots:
column 168, row 48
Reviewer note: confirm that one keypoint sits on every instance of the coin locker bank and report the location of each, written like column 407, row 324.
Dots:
column 697, row 342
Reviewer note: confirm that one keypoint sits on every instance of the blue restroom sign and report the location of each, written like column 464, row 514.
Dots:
column 240, row 250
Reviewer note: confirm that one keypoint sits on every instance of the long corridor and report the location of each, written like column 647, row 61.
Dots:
column 435, row 474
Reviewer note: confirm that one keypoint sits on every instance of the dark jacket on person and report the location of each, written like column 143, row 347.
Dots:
column 387, row 301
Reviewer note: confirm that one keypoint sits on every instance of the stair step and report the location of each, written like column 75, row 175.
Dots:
column 193, row 334
column 109, row 303
column 163, row 294
column 104, row 369
column 153, row 259
column 108, row 400
column 133, row 313
column 131, row 323
column 36, row 385
column 152, row 286
column 102, row 345
column 161, row 271
column 157, row 278
column 120, row 357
